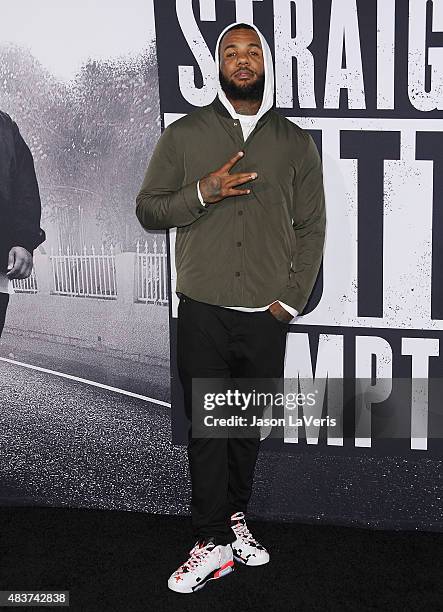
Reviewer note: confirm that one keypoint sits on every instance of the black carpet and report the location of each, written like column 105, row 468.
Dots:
column 121, row 561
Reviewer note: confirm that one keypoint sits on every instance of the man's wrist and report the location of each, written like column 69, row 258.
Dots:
column 280, row 313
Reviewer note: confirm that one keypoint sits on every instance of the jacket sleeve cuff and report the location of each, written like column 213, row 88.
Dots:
column 294, row 298
column 291, row 310
column 200, row 197
column 192, row 201
column 27, row 240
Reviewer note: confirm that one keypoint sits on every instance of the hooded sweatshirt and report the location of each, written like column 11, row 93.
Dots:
column 248, row 122
column 252, row 249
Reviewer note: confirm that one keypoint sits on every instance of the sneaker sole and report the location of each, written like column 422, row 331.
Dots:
column 222, row 571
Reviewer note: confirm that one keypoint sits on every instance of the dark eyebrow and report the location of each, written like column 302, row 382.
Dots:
column 235, row 46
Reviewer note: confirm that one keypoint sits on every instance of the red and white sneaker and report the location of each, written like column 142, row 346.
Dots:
column 246, row 549
column 207, row 561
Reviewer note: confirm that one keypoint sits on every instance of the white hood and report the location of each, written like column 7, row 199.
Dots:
column 268, row 93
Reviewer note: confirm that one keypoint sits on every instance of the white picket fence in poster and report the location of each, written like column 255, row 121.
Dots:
column 152, row 274
column 84, row 274
column 26, row 285
column 93, row 274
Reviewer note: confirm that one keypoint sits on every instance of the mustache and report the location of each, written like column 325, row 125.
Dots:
column 243, row 70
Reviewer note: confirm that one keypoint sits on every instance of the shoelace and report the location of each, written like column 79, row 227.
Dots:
column 197, row 555
column 242, row 531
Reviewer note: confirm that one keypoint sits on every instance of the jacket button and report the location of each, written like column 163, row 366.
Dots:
column 240, row 212
column 238, row 243
column 237, row 274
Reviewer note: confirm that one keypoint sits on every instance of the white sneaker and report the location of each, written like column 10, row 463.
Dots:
column 206, row 562
column 246, row 549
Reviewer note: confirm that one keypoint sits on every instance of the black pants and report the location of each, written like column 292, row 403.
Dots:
column 215, row 342
column 4, row 300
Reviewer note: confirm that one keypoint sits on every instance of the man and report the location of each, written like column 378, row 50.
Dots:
column 243, row 185
column 20, row 210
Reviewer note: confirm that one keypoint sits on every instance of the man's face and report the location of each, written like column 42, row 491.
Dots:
column 242, row 71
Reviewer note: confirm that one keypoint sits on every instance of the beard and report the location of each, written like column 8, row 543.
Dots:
column 253, row 92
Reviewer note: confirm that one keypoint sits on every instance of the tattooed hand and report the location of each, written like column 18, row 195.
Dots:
column 220, row 184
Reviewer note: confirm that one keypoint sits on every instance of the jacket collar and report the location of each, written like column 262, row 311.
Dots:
column 221, row 109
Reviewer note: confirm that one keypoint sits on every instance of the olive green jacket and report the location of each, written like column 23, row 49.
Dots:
column 248, row 250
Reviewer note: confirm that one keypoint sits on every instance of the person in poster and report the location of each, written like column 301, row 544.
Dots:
column 244, row 187
column 20, row 210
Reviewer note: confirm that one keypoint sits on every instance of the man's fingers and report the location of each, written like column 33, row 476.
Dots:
column 11, row 259
column 215, row 186
column 239, row 179
column 12, row 273
column 237, row 192
column 18, row 268
column 26, row 270
column 229, row 164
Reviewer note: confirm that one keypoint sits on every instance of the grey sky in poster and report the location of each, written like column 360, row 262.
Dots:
column 63, row 35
